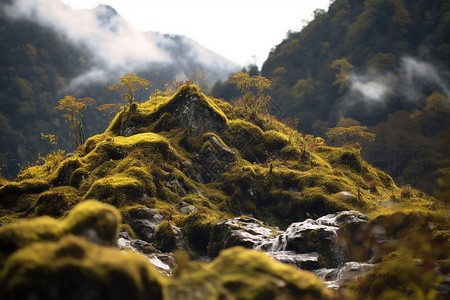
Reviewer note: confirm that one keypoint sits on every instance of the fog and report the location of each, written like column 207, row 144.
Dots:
column 409, row 81
column 116, row 47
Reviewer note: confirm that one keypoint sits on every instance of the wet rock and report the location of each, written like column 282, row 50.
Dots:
column 345, row 196
column 145, row 222
column 349, row 271
column 307, row 261
column 242, row 231
column 164, row 262
column 310, row 236
column 329, row 236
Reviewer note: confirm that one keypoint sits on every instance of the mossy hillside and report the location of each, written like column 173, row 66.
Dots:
column 138, row 169
column 238, row 273
column 275, row 175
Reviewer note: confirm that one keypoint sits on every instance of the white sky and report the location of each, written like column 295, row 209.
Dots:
column 236, row 29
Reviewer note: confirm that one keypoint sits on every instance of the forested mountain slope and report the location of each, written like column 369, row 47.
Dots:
column 358, row 63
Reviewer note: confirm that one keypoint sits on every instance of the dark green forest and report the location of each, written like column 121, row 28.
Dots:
column 374, row 63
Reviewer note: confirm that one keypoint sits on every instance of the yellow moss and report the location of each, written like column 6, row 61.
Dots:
column 44, row 168
column 274, row 140
column 56, row 202
column 291, row 152
column 193, row 89
column 95, row 220
column 164, row 237
column 73, row 268
column 246, row 274
column 156, row 114
column 117, row 189
column 20, row 196
column 17, row 235
column 197, row 228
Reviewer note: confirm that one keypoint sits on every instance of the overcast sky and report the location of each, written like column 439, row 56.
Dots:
column 236, row 29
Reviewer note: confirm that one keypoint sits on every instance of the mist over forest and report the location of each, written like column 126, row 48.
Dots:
column 142, row 165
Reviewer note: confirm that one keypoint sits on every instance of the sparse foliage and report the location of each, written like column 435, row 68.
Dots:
column 131, row 86
column 109, row 109
column 166, row 90
column 254, row 92
column 73, row 110
column 355, row 135
column 51, row 138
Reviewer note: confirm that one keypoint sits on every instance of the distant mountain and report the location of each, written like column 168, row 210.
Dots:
column 49, row 51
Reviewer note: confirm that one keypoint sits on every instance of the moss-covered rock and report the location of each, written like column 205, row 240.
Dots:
column 73, row 268
column 95, row 221
column 274, row 140
column 239, row 273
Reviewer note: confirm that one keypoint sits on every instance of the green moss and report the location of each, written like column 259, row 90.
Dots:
column 247, row 138
column 402, row 275
column 56, row 202
column 96, row 221
column 44, row 168
column 164, row 237
column 17, row 235
column 77, row 177
column 246, row 274
column 126, row 228
column 118, row 190
column 291, row 152
column 73, row 268
column 241, row 134
column 193, row 89
column 20, row 196
column 349, row 159
column 64, row 172
column 274, row 140
column 157, row 114
column 197, row 228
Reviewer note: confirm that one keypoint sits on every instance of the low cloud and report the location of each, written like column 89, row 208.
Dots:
column 115, row 45
column 413, row 77
column 114, row 42
column 372, row 87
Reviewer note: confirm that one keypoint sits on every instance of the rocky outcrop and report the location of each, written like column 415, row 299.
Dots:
column 214, row 159
column 191, row 112
column 145, row 222
column 311, row 244
column 247, row 232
